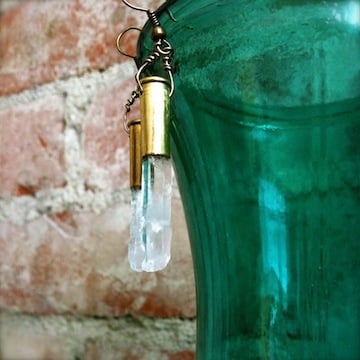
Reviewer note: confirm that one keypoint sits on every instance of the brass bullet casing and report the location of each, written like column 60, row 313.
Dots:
column 155, row 116
column 135, row 154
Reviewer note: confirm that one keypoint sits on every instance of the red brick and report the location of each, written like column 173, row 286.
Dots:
column 105, row 141
column 77, row 263
column 41, row 41
column 32, row 147
column 182, row 355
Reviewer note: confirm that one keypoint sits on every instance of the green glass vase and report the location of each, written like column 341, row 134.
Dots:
column 266, row 147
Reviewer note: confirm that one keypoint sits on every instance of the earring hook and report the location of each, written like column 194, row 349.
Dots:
column 119, row 38
column 134, row 7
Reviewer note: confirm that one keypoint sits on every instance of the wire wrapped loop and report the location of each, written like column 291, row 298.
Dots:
column 161, row 50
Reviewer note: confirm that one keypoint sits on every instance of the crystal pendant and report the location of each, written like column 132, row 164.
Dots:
column 156, row 212
column 136, row 249
column 151, row 179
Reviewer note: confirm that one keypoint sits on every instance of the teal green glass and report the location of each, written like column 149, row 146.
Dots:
column 266, row 147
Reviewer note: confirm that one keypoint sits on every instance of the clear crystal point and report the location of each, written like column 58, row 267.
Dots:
column 156, row 212
column 136, row 249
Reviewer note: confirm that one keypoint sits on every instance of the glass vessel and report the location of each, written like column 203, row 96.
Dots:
column 266, row 148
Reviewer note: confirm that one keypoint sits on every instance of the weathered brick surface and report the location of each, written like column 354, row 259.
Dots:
column 31, row 147
column 41, row 41
column 77, row 263
column 7, row 4
column 105, row 141
column 182, row 355
column 99, row 351
column 54, row 139
column 32, row 345
column 26, row 337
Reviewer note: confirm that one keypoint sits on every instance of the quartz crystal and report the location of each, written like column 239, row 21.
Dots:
column 136, row 250
column 156, row 212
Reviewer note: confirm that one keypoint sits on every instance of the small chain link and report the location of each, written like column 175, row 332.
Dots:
column 130, row 102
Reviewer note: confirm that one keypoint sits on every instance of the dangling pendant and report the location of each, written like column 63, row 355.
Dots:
column 136, row 250
column 156, row 172
column 150, row 229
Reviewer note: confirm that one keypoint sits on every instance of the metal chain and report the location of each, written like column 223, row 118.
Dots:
column 129, row 103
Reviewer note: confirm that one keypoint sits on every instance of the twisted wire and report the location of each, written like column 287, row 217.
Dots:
column 152, row 57
column 129, row 103
column 166, row 52
column 153, row 18
column 162, row 49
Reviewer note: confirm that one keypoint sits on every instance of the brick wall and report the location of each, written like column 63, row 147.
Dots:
column 66, row 290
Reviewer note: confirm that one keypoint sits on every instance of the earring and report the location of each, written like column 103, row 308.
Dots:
column 150, row 164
